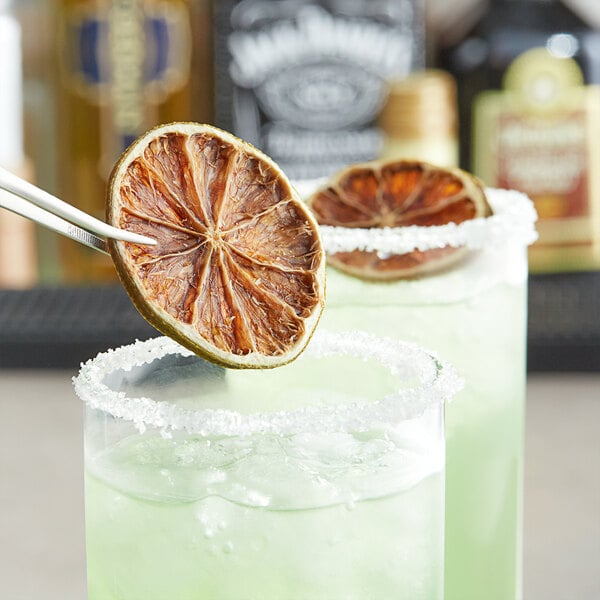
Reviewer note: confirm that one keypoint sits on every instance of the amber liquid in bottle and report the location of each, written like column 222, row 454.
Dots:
column 123, row 67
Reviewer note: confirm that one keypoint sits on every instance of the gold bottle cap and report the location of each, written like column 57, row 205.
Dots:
column 421, row 106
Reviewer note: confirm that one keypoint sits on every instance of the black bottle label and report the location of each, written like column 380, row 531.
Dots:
column 305, row 80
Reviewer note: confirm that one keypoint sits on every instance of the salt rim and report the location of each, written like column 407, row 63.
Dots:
column 438, row 383
column 513, row 219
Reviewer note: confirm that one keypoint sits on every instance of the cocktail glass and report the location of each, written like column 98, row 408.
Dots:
column 323, row 479
column 475, row 315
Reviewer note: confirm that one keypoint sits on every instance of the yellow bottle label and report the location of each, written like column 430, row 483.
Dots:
column 539, row 135
column 126, row 57
column 124, row 68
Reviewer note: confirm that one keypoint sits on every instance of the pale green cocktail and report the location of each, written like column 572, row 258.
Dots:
column 474, row 314
column 323, row 479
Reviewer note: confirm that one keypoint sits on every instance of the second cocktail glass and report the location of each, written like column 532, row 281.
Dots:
column 475, row 315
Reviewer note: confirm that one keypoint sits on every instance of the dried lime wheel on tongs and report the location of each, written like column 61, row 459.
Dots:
column 237, row 274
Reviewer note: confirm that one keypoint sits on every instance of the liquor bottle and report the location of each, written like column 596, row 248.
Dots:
column 124, row 66
column 419, row 119
column 530, row 119
column 305, row 80
column 18, row 255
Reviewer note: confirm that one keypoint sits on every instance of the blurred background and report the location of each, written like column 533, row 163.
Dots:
column 508, row 89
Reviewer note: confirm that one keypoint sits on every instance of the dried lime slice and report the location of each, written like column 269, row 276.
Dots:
column 398, row 194
column 237, row 275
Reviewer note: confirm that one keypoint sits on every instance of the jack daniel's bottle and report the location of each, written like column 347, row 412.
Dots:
column 305, row 80
column 124, row 66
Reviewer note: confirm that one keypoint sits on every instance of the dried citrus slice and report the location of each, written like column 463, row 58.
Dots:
column 398, row 194
column 237, row 275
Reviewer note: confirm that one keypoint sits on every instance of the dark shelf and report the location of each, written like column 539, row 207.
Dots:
column 63, row 326
column 564, row 322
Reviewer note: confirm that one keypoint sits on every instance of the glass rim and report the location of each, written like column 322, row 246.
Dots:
column 438, row 382
column 513, row 219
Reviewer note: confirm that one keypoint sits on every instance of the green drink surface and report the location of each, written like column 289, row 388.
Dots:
column 303, row 517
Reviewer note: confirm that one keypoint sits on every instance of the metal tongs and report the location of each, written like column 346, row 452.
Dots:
column 37, row 205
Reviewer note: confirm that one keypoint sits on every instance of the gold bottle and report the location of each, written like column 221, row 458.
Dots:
column 419, row 119
column 123, row 67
